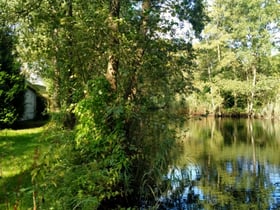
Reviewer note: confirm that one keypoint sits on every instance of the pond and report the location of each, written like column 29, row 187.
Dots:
column 225, row 164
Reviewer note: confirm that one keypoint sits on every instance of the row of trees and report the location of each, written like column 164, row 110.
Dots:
column 238, row 58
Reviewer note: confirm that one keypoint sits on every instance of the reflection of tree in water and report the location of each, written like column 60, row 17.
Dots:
column 276, row 195
column 235, row 185
column 208, row 172
column 235, row 173
column 183, row 192
column 236, row 182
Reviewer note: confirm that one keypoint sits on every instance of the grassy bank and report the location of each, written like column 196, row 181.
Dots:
column 19, row 150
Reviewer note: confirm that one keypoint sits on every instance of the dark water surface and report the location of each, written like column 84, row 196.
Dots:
column 225, row 164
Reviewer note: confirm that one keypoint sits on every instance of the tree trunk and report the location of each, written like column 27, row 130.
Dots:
column 131, row 88
column 211, row 87
column 55, row 103
column 146, row 6
column 113, row 61
column 70, row 119
column 219, row 53
column 252, row 96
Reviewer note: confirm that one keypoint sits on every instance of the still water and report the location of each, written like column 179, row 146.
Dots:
column 225, row 164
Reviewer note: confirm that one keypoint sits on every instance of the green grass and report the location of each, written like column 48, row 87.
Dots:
column 18, row 154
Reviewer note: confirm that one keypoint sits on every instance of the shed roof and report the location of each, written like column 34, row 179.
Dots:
column 39, row 89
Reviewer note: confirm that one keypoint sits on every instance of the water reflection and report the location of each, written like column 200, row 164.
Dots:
column 225, row 164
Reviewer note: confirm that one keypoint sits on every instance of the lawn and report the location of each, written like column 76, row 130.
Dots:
column 19, row 151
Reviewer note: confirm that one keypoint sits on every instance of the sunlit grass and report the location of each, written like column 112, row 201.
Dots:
column 18, row 149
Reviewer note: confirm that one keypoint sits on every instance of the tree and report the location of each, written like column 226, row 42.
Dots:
column 102, row 60
column 65, row 42
column 11, row 81
column 239, row 41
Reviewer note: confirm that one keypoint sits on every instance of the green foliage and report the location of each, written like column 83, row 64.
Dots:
column 11, row 82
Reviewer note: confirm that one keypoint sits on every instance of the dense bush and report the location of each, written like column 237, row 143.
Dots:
column 11, row 82
column 91, row 167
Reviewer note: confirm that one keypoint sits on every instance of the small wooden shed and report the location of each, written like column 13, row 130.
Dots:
column 35, row 102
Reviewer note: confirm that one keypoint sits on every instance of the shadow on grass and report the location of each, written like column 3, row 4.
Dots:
column 17, row 144
column 30, row 124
